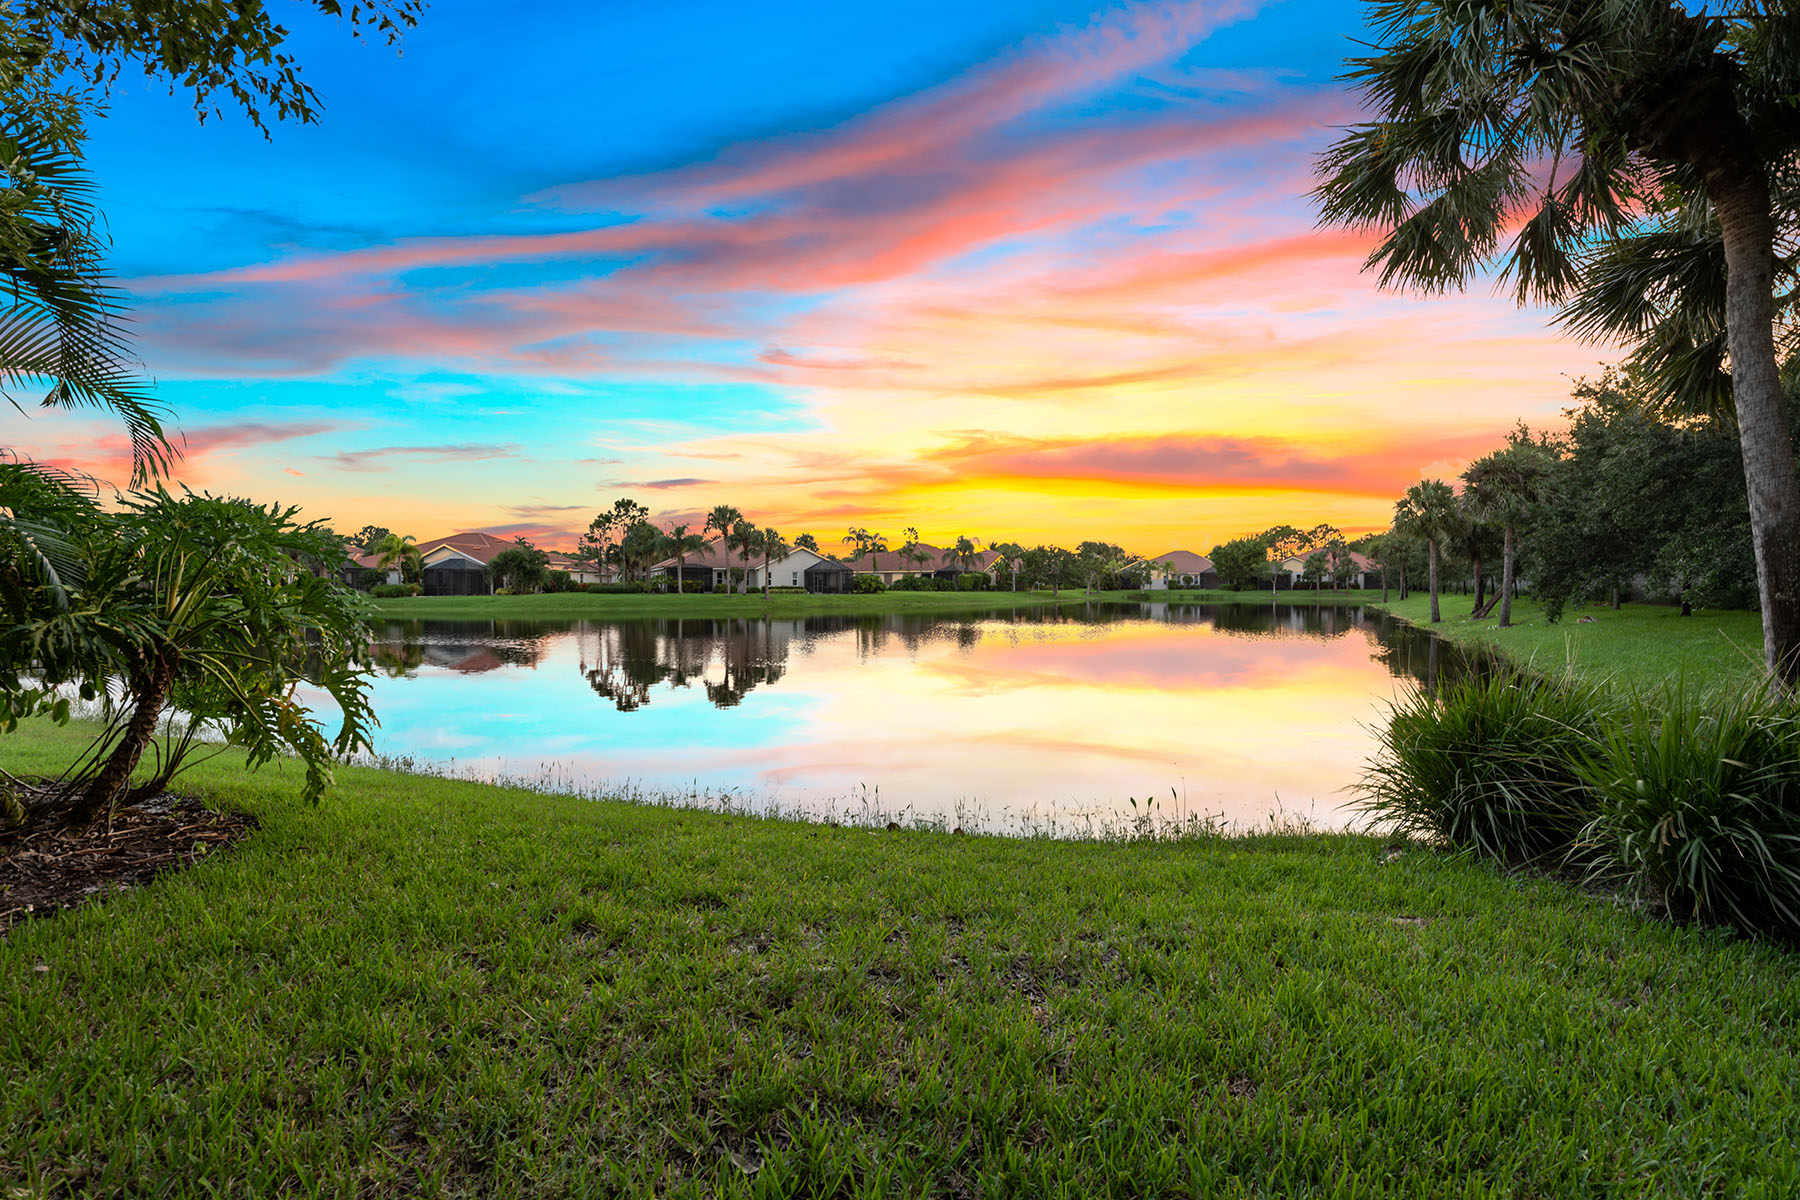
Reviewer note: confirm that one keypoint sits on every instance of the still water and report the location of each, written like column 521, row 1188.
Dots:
column 1035, row 719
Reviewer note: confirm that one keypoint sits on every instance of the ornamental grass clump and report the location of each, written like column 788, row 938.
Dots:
column 1698, row 803
column 1490, row 763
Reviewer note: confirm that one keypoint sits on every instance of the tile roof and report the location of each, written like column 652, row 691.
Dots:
column 1184, row 562
column 479, row 546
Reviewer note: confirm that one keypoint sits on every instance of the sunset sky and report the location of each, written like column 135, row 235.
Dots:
column 1021, row 270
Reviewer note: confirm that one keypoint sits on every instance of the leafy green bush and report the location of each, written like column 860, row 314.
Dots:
column 787, row 591
column 1492, row 762
column 865, row 584
column 973, row 581
column 390, row 591
column 614, row 589
column 1699, row 804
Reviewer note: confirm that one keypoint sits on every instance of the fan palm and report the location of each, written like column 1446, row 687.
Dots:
column 1428, row 511
column 400, row 550
column 1503, row 487
column 1640, row 155
column 59, row 320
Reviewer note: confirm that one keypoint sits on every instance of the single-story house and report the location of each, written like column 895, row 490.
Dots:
column 1359, row 572
column 891, row 566
column 457, row 565
column 1181, row 569
column 712, row 564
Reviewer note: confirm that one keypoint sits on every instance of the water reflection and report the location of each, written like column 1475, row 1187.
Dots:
column 1224, row 706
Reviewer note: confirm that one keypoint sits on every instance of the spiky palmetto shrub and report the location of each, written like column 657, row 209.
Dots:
column 1698, row 802
column 1489, row 763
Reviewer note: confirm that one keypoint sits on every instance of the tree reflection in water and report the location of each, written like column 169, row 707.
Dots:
column 626, row 661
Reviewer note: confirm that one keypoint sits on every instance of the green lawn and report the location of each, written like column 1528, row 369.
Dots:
column 570, row 605
column 439, row 988
column 1640, row 646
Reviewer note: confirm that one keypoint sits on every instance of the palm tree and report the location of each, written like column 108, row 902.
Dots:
column 402, row 550
column 721, row 520
column 680, row 543
column 1504, row 487
column 59, row 319
column 1428, row 510
column 867, row 543
column 1643, row 151
column 965, row 550
column 1013, row 555
column 745, row 539
column 773, row 547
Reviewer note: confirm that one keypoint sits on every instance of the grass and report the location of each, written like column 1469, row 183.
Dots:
column 427, row 987
column 598, row 606
column 1638, row 648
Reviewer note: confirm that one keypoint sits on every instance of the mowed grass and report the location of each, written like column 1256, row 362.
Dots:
column 603, row 607
column 1640, row 647
column 439, row 988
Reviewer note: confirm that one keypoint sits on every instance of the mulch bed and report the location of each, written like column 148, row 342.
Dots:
column 44, row 870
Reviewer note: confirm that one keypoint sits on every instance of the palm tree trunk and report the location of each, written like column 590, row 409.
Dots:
column 1507, row 558
column 1769, row 477
column 1431, row 556
column 148, row 693
column 1480, row 583
column 1384, row 589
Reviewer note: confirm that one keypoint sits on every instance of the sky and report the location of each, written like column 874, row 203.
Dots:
column 1031, row 270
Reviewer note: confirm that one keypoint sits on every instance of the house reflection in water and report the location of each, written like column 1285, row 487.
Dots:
column 465, row 647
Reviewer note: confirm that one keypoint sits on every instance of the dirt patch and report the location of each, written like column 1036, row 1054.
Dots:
column 44, row 870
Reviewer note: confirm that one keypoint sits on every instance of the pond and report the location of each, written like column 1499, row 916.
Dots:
column 1044, row 720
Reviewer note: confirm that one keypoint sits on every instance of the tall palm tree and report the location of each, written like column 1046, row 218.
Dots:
column 745, row 539
column 965, row 550
column 721, row 520
column 865, row 542
column 1643, row 152
column 400, row 549
column 680, row 543
column 773, row 547
column 1504, row 487
column 1428, row 510
column 1014, row 556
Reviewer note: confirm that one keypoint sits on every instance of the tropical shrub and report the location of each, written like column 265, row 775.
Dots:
column 787, row 591
column 213, row 608
column 973, row 581
column 1698, row 803
column 389, row 591
column 370, row 577
column 1491, row 763
column 865, row 584
column 614, row 589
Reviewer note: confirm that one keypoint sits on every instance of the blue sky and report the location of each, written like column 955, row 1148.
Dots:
column 1019, row 270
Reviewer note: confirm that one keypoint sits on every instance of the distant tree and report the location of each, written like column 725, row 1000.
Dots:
column 1377, row 548
column 861, row 541
column 519, row 568
column 807, row 541
column 1428, row 511
column 678, row 544
column 966, row 550
column 1281, row 543
column 602, row 541
column 746, row 539
column 1315, row 568
column 1097, row 563
column 1507, row 487
column 400, row 550
column 372, row 538
column 773, row 548
column 721, row 521
column 1241, row 561
column 1012, row 555
column 638, row 548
